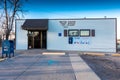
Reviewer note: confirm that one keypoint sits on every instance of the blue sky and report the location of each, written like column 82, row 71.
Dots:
column 74, row 9
column 73, row 5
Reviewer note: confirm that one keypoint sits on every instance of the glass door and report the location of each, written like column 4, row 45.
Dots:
column 37, row 39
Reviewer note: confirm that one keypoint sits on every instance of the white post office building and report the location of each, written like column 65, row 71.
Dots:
column 87, row 34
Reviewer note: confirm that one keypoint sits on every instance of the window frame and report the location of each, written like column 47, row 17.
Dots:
column 84, row 35
column 73, row 30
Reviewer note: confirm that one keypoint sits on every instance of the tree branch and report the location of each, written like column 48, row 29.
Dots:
column 11, row 9
column 6, row 13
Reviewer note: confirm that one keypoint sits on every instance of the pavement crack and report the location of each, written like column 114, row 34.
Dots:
column 28, row 67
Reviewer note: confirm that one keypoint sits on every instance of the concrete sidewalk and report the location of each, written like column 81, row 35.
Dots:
column 81, row 69
column 32, row 65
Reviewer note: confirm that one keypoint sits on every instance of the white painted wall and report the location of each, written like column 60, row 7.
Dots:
column 104, row 40
column 21, row 36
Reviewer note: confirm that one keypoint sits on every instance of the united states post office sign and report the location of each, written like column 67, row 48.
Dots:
column 83, row 41
column 66, row 23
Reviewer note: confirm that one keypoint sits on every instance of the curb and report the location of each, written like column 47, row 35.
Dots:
column 103, row 54
column 2, row 59
column 53, row 53
column 94, row 54
column 116, row 55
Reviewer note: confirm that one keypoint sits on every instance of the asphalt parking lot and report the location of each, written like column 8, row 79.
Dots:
column 33, row 65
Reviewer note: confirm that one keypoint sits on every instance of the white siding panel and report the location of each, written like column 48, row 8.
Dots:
column 21, row 36
column 104, row 40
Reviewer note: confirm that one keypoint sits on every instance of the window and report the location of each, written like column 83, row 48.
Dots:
column 65, row 33
column 81, row 33
column 84, row 32
column 93, row 33
column 73, row 32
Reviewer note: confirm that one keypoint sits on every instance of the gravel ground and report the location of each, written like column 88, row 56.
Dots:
column 106, row 67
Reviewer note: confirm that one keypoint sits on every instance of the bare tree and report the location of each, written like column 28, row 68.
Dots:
column 10, row 10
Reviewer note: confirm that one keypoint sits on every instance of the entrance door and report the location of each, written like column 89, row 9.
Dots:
column 37, row 39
